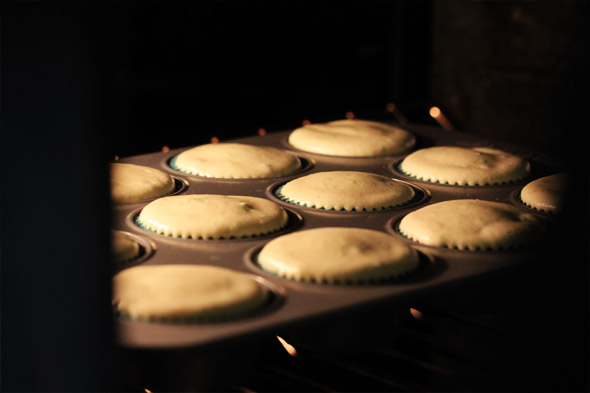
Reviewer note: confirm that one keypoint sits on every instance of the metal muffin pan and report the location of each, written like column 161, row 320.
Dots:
column 297, row 304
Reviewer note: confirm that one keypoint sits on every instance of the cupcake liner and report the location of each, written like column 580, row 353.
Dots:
column 417, row 196
column 416, row 177
column 398, row 277
column 253, row 235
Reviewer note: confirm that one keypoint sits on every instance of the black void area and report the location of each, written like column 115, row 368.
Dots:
column 179, row 73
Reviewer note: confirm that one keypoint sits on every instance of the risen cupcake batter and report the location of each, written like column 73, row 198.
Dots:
column 471, row 224
column 338, row 255
column 123, row 248
column 346, row 190
column 465, row 166
column 236, row 161
column 353, row 138
column 546, row 193
column 212, row 216
column 133, row 183
column 185, row 292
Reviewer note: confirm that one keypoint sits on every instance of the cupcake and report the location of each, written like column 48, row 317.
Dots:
column 471, row 224
column 546, row 194
column 338, row 255
column 209, row 216
column 463, row 166
column 185, row 293
column 235, row 161
column 135, row 183
column 346, row 190
column 123, row 248
column 352, row 138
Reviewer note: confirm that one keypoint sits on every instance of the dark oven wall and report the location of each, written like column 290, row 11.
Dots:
column 183, row 72
column 83, row 82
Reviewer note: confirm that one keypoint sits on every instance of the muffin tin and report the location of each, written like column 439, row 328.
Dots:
column 297, row 304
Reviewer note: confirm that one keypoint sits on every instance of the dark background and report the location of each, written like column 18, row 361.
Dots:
column 85, row 81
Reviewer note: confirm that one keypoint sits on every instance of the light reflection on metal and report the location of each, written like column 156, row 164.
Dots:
column 147, row 390
column 288, row 347
column 416, row 314
column 214, row 139
column 394, row 110
column 350, row 115
column 440, row 118
column 261, row 131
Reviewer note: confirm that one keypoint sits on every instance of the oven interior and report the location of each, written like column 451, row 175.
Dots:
column 85, row 82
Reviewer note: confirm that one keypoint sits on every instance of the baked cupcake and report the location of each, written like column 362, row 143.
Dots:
column 206, row 216
column 135, row 183
column 547, row 193
column 471, row 224
column 346, row 190
column 477, row 166
column 176, row 293
column 123, row 248
column 338, row 255
column 352, row 138
column 235, row 161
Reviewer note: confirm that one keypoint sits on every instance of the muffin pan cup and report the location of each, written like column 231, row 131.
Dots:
column 300, row 305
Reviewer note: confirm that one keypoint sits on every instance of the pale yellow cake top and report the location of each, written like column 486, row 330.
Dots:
column 465, row 166
column 352, row 138
column 338, row 255
column 123, row 248
column 346, row 190
column 207, row 216
column 185, row 292
column 236, row 161
column 546, row 193
column 134, row 183
column 470, row 224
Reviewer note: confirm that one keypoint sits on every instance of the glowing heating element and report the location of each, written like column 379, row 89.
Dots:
column 441, row 119
column 288, row 347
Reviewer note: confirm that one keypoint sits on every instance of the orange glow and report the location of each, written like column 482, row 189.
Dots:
column 390, row 107
column 261, row 131
column 288, row 347
column 416, row 314
column 116, row 158
column 434, row 112
column 215, row 140
column 165, row 149
column 306, row 122
column 349, row 115
column 147, row 391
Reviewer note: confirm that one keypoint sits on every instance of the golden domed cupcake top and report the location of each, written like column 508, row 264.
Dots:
column 477, row 166
column 208, row 216
column 185, row 293
column 547, row 193
column 338, row 255
column 135, row 183
column 346, row 190
column 471, row 224
column 352, row 138
column 123, row 248
column 236, row 161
